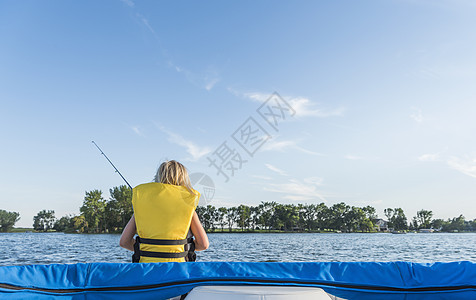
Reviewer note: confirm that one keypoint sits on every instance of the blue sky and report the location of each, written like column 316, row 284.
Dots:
column 383, row 94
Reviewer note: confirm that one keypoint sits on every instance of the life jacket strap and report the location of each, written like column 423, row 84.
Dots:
column 162, row 242
column 188, row 253
column 163, row 254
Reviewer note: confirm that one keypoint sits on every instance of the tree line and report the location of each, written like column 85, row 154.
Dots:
column 97, row 214
column 100, row 215
column 272, row 216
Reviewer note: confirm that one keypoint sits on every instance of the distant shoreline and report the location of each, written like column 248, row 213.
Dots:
column 20, row 229
column 234, row 231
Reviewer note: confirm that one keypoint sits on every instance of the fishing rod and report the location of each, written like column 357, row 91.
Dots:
column 117, row 171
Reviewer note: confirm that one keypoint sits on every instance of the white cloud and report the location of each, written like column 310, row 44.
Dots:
column 353, row 157
column 258, row 97
column 180, row 69
column 211, row 83
column 193, row 149
column 206, row 79
column 273, row 145
column 309, row 151
column 145, row 21
column 275, row 169
column 429, row 157
column 137, row 131
column 417, row 115
column 298, row 191
column 304, row 107
column 261, row 177
column 129, row 3
column 141, row 18
column 466, row 166
column 314, row 180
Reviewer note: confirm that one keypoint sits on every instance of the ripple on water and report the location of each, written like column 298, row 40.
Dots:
column 46, row 248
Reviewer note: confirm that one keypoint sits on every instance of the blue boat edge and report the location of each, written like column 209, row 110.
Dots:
column 348, row 280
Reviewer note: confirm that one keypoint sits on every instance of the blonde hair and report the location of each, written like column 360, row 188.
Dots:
column 173, row 172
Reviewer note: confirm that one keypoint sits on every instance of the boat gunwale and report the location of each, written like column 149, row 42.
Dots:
column 242, row 281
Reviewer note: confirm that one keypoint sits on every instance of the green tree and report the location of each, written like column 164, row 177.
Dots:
column 8, row 220
column 210, row 216
column 266, row 212
column 457, row 224
column 278, row 217
column 367, row 225
column 359, row 220
column 292, row 216
column 80, row 224
column 222, row 217
column 338, row 218
column 472, row 225
column 396, row 218
column 232, row 217
column 243, row 216
column 353, row 218
column 389, row 214
column 308, row 216
column 112, row 216
column 44, row 220
column 285, row 217
column 370, row 214
column 64, row 224
column 93, row 210
column 255, row 214
column 118, row 209
column 438, row 224
column 207, row 216
column 324, row 216
column 200, row 210
column 400, row 220
column 423, row 218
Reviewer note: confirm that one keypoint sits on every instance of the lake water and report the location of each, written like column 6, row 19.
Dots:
column 47, row 248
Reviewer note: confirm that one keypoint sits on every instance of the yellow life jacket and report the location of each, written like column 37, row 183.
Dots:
column 163, row 214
